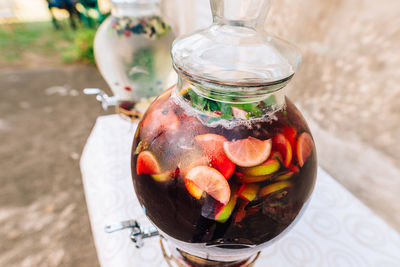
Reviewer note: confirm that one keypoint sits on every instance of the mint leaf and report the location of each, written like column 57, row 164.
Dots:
column 270, row 101
column 226, row 109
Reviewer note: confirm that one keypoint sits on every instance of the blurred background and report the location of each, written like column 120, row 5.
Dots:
column 347, row 87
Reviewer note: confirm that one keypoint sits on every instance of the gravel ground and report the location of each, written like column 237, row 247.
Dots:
column 44, row 123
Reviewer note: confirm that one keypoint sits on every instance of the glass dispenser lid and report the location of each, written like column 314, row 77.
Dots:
column 235, row 49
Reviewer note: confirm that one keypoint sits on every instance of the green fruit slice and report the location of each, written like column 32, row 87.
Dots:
column 223, row 214
column 268, row 167
column 163, row 177
column 196, row 192
column 249, row 191
column 272, row 188
column 247, row 179
column 285, row 176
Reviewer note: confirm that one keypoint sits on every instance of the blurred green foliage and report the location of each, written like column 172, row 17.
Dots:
column 82, row 48
column 41, row 40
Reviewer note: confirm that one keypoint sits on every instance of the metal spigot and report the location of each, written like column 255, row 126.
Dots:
column 101, row 96
column 137, row 233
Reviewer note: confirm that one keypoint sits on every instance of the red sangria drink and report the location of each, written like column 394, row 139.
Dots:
column 223, row 163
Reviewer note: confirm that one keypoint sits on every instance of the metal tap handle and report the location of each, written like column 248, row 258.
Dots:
column 101, row 96
column 137, row 233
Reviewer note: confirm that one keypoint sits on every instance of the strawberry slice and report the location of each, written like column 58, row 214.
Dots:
column 212, row 145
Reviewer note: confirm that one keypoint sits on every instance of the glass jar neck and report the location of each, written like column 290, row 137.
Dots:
column 267, row 98
column 135, row 9
column 244, row 13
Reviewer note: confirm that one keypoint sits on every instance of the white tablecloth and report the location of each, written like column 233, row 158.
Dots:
column 336, row 230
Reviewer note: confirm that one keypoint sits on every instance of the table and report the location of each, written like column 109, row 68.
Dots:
column 336, row 229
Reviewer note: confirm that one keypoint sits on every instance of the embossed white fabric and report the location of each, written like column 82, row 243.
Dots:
column 335, row 230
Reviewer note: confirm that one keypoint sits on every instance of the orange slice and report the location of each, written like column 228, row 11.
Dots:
column 147, row 163
column 304, row 147
column 211, row 181
column 193, row 189
column 248, row 152
column 281, row 144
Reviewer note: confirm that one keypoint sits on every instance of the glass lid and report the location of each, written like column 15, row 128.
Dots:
column 235, row 49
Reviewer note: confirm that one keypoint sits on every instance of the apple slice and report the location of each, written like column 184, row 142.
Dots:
column 248, row 152
column 268, row 167
column 193, row 189
column 211, row 181
column 223, row 213
column 285, row 176
column 272, row 188
column 147, row 163
column 163, row 177
column 305, row 146
column 247, row 179
column 212, row 145
column 281, row 144
column 248, row 191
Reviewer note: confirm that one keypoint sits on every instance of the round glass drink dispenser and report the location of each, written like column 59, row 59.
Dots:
column 132, row 51
column 223, row 163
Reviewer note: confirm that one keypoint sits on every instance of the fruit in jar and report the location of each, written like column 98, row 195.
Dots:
column 248, row 191
column 195, row 191
column 212, row 145
column 272, row 188
column 223, row 213
column 281, row 144
column 277, row 155
column 247, row 152
column 241, row 212
column 268, row 167
column 211, row 181
column 304, row 147
column 162, row 119
column 147, row 163
column 246, row 179
column 163, row 177
column 285, row 176
column 290, row 133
